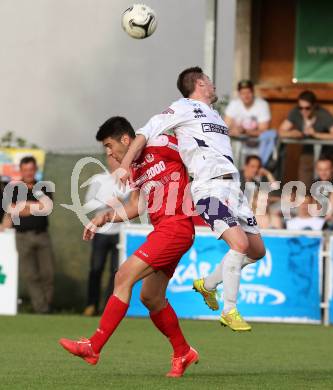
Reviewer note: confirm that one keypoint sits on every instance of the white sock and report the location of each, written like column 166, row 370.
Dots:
column 231, row 273
column 247, row 261
column 216, row 277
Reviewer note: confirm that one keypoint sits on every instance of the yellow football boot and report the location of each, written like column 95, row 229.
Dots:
column 208, row 296
column 235, row 321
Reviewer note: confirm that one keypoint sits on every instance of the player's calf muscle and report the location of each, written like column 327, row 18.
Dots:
column 153, row 303
column 257, row 248
column 256, row 253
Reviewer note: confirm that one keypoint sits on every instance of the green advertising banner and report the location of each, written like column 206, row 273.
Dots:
column 314, row 41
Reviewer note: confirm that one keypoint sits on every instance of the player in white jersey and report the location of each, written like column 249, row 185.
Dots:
column 204, row 146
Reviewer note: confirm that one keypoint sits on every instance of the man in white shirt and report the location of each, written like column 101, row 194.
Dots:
column 103, row 187
column 250, row 115
column 304, row 220
column 205, row 149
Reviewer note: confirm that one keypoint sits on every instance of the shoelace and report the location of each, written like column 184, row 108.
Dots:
column 177, row 363
column 237, row 316
column 86, row 347
column 84, row 340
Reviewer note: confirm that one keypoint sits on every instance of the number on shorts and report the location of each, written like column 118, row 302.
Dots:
column 252, row 221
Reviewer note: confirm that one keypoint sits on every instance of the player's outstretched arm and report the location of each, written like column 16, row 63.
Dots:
column 91, row 228
column 129, row 211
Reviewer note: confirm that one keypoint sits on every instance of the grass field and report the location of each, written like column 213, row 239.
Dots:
column 137, row 356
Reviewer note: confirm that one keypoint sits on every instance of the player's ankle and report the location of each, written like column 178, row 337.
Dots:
column 181, row 351
column 227, row 309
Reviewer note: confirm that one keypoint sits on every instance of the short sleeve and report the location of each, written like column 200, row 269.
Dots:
column 264, row 114
column 295, row 118
column 328, row 119
column 176, row 115
column 231, row 109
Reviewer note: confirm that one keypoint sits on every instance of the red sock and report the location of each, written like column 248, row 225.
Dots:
column 114, row 312
column 167, row 322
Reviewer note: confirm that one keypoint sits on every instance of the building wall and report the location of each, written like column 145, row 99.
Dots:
column 225, row 53
column 66, row 65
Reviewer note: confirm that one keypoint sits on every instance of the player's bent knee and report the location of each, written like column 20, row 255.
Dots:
column 121, row 278
column 241, row 247
column 237, row 240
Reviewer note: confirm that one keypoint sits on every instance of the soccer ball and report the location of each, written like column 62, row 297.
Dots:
column 139, row 21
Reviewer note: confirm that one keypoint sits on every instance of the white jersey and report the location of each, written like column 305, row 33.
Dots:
column 203, row 141
column 249, row 117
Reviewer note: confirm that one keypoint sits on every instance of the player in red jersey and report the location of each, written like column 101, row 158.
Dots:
column 162, row 178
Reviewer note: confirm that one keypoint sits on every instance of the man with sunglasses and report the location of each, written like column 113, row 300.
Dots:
column 308, row 120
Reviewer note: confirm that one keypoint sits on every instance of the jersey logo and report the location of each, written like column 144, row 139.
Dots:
column 198, row 113
column 168, row 111
column 149, row 158
column 214, row 128
column 201, row 142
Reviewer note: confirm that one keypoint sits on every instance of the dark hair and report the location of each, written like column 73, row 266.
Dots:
column 115, row 127
column 252, row 157
column 28, row 160
column 325, row 157
column 187, row 79
column 308, row 96
column 245, row 84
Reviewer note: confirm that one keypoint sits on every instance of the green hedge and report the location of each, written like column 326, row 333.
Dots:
column 71, row 252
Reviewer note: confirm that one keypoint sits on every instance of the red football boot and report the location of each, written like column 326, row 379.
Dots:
column 180, row 364
column 81, row 348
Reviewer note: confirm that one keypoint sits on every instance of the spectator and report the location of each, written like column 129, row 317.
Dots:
column 324, row 169
column 268, row 216
column 324, row 173
column 2, row 186
column 304, row 220
column 308, row 120
column 254, row 172
column 103, row 187
column 250, row 115
column 32, row 238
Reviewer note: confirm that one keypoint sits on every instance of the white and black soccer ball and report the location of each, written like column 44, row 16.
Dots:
column 139, row 21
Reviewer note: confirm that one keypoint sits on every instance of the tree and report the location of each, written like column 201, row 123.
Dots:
column 8, row 140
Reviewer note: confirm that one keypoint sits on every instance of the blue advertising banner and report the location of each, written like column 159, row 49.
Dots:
column 284, row 286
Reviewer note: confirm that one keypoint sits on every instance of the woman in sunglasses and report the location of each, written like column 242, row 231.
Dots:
column 308, row 120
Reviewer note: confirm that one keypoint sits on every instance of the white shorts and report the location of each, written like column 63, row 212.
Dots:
column 222, row 204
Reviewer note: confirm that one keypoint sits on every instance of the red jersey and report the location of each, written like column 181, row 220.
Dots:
column 160, row 173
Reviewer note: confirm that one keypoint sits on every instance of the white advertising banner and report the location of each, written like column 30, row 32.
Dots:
column 8, row 273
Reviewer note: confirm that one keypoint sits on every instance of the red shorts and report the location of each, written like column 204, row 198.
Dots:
column 166, row 244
